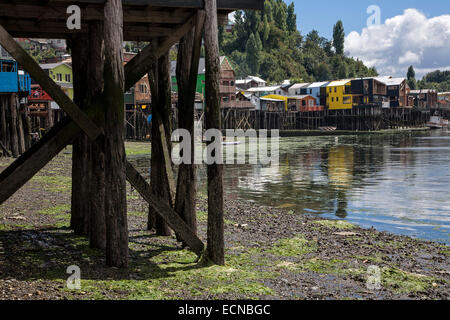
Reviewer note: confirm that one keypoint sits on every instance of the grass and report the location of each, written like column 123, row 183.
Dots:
column 405, row 282
column 137, row 148
column 292, row 247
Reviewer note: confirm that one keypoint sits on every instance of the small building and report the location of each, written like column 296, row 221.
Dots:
column 397, row 91
column 295, row 89
column 273, row 104
column 227, row 80
column 301, row 103
column 444, row 98
column 368, row 91
column 61, row 73
column 250, row 82
column 249, row 97
column 264, row 91
column 13, row 79
column 339, row 95
column 424, row 98
column 317, row 90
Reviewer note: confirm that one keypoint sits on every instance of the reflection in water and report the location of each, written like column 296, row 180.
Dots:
column 397, row 183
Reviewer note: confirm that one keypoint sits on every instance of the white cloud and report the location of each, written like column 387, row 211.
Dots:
column 404, row 40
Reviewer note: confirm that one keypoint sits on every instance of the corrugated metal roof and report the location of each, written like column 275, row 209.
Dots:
column 299, row 85
column 48, row 66
column 338, row 83
column 318, row 84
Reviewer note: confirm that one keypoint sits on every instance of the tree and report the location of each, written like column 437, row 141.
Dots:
column 291, row 18
column 323, row 72
column 411, row 75
column 339, row 37
column 252, row 50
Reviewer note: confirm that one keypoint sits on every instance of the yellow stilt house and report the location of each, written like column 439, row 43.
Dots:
column 339, row 95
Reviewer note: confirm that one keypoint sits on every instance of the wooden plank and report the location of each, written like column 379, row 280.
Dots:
column 47, row 84
column 195, row 4
column 164, row 211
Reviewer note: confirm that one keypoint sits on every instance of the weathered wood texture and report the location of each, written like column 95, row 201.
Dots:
column 215, row 246
column 161, row 123
column 48, row 85
column 164, row 210
column 187, row 66
column 115, row 158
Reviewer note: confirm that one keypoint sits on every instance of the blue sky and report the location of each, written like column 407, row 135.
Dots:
column 322, row 15
column 414, row 32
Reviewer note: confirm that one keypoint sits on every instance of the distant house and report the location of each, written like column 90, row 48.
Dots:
column 263, row 91
column 339, row 95
column 302, row 103
column 13, row 79
column 250, row 82
column 61, row 73
column 397, row 91
column 227, row 81
column 295, row 89
column 317, row 90
column 273, row 103
column 368, row 91
column 139, row 95
column 424, row 98
column 249, row 97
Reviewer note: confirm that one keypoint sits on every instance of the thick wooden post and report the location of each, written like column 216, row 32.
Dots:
column 215, row 246
column 79, row 221
column 115, row 158
column 97, row 221
column 187, row 69
column 159, row 78
column 13, row 126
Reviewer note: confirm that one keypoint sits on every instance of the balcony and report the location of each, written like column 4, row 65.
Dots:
column 237, row 105
column 227, row 89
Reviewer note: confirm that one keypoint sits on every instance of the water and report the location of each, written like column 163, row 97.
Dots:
column 398, row 183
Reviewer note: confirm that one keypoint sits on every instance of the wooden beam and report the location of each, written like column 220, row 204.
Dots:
column 164, row 211
column 139, row 65
column 47, row 84
column 33, row 160
column 193, row 4
column 215, row 247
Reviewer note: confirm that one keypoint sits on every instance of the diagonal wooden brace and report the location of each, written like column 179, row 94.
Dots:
column 63, row 133
column 164, row 211
column 35, row 71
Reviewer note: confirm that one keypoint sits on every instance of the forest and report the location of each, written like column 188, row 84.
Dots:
column 269, row 44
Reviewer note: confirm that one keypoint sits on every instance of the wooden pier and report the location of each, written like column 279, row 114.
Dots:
column 95, row 119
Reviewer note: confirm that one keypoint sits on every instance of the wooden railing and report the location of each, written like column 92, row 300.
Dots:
column 237, row 105
column 227, row 89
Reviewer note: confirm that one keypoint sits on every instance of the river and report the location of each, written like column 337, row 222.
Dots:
column 398, row 183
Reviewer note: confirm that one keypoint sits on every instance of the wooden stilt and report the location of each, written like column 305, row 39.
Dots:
column 115, row 158
column 187, row 67
column 215, row 247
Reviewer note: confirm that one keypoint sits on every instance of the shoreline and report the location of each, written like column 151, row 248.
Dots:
column 271, row 253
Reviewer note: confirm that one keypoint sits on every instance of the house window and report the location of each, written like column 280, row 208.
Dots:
column 330, row 90
column 332, row 99
column 337, row 99
column 311, row 103
column 143, row 88
column 347, row 100
column 67, row 77
column 310, row 91
column 58, row 77
column 335, row 89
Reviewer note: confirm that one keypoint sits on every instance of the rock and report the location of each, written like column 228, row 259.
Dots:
column 346, row 234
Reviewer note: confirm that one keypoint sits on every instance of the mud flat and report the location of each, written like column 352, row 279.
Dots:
column 271, row 253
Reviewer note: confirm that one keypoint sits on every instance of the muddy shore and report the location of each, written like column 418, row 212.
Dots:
column 271, row 253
